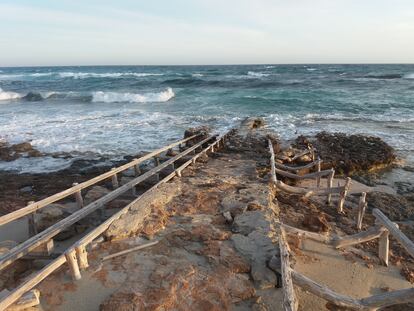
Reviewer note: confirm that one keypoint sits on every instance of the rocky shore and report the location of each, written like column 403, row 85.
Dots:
column 217, row 229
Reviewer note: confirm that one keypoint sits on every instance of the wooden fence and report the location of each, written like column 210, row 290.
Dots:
column 76, row 255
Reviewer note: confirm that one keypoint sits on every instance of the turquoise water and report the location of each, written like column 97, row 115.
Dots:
column 118, row 110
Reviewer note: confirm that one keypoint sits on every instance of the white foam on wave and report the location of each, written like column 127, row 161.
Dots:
column 9, row 95
column 24, row 75
column 409, row 76
column 84, row 75
column 257, row 74
column 114, row 97
column 197, row 75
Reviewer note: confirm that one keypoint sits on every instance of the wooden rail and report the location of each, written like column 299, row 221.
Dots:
column 369, row 303
column 77, row 254
column 298, row 168
column 30, row 244
column 78, row 187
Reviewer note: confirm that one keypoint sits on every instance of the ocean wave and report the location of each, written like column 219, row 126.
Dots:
column 85, row 75
column 409, row 76
column 388, row 76
column 114, row 97
column 9, row 95
column 257, row 74
column 197, row 75
column 23, row 75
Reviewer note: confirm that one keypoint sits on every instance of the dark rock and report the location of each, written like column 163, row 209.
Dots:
column 350, row 153
column 33, row 97
column 202, row 131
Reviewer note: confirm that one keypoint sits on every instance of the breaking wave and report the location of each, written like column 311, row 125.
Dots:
column 114, row 97
column 9, row 95
column 409, row 76
column 257, row 74
column 85, row 75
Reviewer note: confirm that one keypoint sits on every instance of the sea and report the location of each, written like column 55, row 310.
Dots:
column 113, row 111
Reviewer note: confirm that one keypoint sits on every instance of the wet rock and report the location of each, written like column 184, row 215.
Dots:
column 95, row 193
column 202, row 131
column 33, row 97
column 26, row 189
column 12, row 152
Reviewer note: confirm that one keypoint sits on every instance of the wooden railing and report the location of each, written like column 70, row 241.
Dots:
column 307, row 192
column 381, row 231
column 75, row 190
column 76, row 255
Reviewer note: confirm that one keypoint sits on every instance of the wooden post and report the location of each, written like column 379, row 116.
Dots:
column 383, row 247
column 318, row 180
column 115, row 183
column 137, row 170
column 172, row 166
column 330, row 182
column 178, row 173
column 361, row 209
column 78, row 196
column 272, row 162
column 82, row 255
column 289, row 300
column 394, row 230
column 212, row 148
column 343, row 195
column 32, row 222
column 73, row 265
column 193, row 161
column 156, row 161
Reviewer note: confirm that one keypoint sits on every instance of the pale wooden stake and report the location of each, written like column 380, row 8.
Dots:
column 383, row 247
column 289, row 300
column 156, row 161
column 137, row 170
column 115, row 183
column 178, row 173
column 127, row 251
column 73, row 265
column 82, row 255
column 343, row 195
column 330, row 182
column 78, row 196
column 318, row 180
column 32, row 222
column 395, row 231
column 272, row 162
column 361, row 209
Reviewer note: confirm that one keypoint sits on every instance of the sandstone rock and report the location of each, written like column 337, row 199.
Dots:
column 249, row 221
column 132, row 222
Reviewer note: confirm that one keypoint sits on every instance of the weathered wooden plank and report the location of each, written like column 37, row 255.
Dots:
column 343, row 195
column 47, row 234
column 302, row 177
column 393, row 229
column 329, row 185
column 289, row 298
column 325, row 292
column 362, row 205
column 272, row 163
column 383, row 247
column 308, row 191
column 127, row 251
column 389, row 299
column 307, row 234
column 297, row 168
column 32, row 282
column 30, row 208
column 361, row 237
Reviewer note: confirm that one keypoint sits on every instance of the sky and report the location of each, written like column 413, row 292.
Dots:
column 185, row 32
